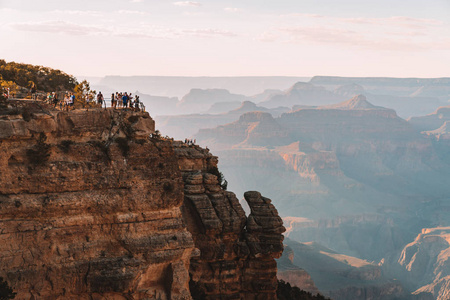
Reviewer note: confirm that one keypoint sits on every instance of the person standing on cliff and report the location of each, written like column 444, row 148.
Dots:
column 100, row 98
column 125, row 100
column 33, row 91
column 113, row 101
column 130, row 100
column 55, row 99
column 136, row 103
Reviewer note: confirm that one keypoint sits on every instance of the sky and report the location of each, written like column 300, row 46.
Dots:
column 396, row 38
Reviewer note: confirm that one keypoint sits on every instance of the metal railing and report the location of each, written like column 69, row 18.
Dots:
column 105, row 103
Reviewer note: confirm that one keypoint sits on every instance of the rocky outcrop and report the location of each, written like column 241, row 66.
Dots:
column 236, row 259
column 252, row 129
column 425, row 263
column 358, row 102
column 431, row 121
column 182, row 126
column 303, row 93
column 91, row 207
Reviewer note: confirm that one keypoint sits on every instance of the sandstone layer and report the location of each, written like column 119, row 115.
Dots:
column 90, row 208
column 237, row 254
column 426, row 264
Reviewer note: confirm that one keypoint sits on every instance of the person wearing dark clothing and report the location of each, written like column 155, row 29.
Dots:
column 113, row 101
column 55, row 99
column 100, row 98
column 125, row 100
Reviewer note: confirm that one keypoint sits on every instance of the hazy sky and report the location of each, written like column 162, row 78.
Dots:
column 402, row 38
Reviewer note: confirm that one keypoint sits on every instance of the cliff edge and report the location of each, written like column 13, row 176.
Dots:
column 94, row 205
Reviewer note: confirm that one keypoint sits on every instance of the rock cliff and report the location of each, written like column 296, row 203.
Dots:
column 431, row 121
column 91, row 207
column 425, row 263
column 236, row 253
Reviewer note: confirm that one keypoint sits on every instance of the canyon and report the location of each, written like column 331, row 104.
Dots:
column 352, row 177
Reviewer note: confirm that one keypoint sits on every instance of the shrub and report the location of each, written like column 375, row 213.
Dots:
column 156, row 135
column 220, row 177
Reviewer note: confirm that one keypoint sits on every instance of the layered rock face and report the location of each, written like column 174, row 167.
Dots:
column 90, row 209
column 253, row 129
column 425, row 263
column 182, row 126
column 237, row 254
column 431, row 121
column 359, row 179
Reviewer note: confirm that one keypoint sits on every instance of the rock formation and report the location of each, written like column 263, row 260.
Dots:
column 353, row 177
column 236, row 253
column 431, row 121
column 303, row 93
column 426, row 264
column 91, row 207
column 182, row 126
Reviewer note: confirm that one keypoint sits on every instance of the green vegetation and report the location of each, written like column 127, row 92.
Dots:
column 45, row 79
column 82, row 93
column 21, row 79
column 6, row 291
column 220, row 177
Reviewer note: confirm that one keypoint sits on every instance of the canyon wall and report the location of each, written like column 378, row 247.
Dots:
column 94, row 205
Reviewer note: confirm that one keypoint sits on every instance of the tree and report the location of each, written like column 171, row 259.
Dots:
column 7, row 86
column 6, row 291
column 45, row 79
column 82, row 90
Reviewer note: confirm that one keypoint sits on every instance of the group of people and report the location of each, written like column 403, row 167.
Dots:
column 189, row 141
column 118, row 100
column 124, row 100
column 65, row 103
